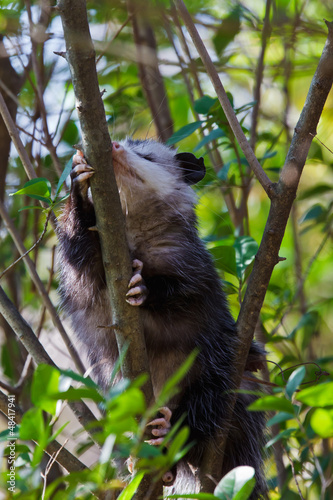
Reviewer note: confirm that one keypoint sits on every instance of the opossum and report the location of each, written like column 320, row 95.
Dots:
column 177, row 288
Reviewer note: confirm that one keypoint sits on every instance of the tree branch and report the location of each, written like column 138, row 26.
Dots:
column 282, row 195
column 267, row 256
column 64, row 457
column 97, row 147
column 38, row 353
column 224, row 101
column 41, row 289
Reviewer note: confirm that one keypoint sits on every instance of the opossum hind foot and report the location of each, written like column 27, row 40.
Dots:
column 161, row 426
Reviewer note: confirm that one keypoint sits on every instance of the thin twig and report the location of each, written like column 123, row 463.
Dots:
column 224, row 101
column 41, row 289
column 117, row 33
column 317, row 139
column 43, row 21
column 30, row 249
column 64, row 457
column 26, row 335
column 294, row 473
column 259, row 74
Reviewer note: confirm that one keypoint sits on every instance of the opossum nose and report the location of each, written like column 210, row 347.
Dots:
column 117, row 148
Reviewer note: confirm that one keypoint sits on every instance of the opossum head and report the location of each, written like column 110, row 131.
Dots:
column 147, row 170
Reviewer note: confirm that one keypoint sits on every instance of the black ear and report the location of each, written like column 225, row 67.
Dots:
column 193, row 168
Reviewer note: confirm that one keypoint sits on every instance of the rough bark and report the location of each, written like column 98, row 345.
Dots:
column 97, row 148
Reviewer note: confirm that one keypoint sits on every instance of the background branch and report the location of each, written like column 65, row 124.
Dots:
column 38, row 353
column 223, row 98
column 41, row 289
column 149, row 72
column 65, row 458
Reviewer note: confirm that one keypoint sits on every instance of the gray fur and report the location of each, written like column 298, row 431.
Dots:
column 185, row 309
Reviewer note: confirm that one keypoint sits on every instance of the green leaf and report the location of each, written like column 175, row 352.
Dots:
column 45, row 384
column 184, row 132
column 238, row 484
column 64, row 175
column 178, row 442
column 279, row 417
column 170, row 387
column 295, row 380
column 87, row 381
column 227, row 31
column 272, row 403
column 32, row 425
column 225, row 258
column 39, row 188
column 214, row 134
column 131, row 489
column 282, row 435
column 71, row 133
column 246, row 249
column 203, row 105
column 318, row 396
column 317, row 212
column 322, row 422
column 317, row 190
column 57, row 432
column 32, row 207
column 77, row 393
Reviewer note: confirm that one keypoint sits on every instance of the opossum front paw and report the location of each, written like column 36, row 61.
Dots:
column 80, row 174
column 138, row 291
column 161, row 426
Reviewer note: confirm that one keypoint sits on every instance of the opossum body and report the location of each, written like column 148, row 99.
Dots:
column 180, row 295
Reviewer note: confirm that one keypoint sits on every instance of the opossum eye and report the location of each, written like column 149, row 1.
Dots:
column 146, row 157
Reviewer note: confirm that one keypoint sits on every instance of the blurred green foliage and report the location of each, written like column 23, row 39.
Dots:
column 296, row 320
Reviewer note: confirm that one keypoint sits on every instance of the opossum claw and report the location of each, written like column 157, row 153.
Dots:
column 163, row 426
column 81, row 173
column 138, row 291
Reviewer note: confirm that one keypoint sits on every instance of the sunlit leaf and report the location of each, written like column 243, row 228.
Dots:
column 322, row 422
column 272, row 403
column 45, row 385
column 317, row 396
column 238, row 484
column 39, row 188
column 32, row 425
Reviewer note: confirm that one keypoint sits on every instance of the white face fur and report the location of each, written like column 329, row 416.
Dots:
column 155, row 169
